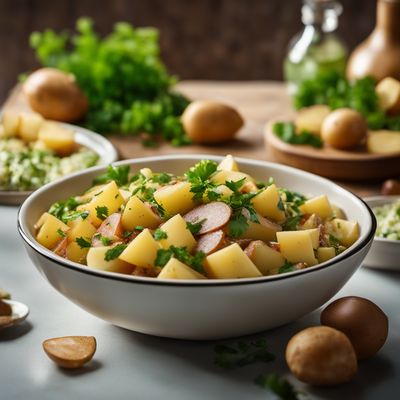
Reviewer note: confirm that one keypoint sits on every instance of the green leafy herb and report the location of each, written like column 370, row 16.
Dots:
column 139, row 227
column 196, row 227
column 181, row 253
column 159, row 234
column 161, row 178
column 291, row 223
column 102, row 212
column 115, row 252
column 74, row 215
column 279, row 385
column 61, row 233
column 199, row 178
column 286, row 267
column 334, row 242
column 235, row 185
column 286, row 131
column 83, row 243
column 242, row 353
column 280, row 205
column 237, row 225
column 106, row 241
column 118, row 174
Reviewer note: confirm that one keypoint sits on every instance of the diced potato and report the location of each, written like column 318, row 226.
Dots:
column 177, row 234
column 95, row 259
column 249, row 187
column 49, row 230
column 388, row 91
column 126, row 194
column 29, row 125
column 142, row 251
column 265, row 230
column 314, row 234
column 383, row 142
column 346, row 231
column 174, row 269
column 297, row 246
column 319, row 205
column 146, row 172
column 228, row 164
column 175, row 199
column 230, row 262
column 311, row 222
column 223, row 190
column 11, row 121
column 310, row 118
column 338, row 212
column 109, row 196
column 57, row 138
column 265, row 258
column 95, row 190
column 267, row 203
column 325, row 253
column 136, row 213
column 76, row 253
column 80, row 228
column 220, row 177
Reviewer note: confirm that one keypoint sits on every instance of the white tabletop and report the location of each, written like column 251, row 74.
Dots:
column 129, row 365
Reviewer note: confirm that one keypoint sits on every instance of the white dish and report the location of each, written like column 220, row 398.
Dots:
column 93, row 141
column 199, row 310
column 384, row 253
column 19, row 313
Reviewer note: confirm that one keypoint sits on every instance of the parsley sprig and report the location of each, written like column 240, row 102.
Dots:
column 83, row 243
column 195, row 228
column 199, row 178
column 279, row 385
column 286, row 131
column 159, row 234
column 119, row 174
column 182, row 254
column 102, row 212
column 115, row 252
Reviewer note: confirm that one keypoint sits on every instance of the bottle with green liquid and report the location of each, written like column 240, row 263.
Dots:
column 317, row 49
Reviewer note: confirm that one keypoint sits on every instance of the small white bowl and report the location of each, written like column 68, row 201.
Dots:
column 204, row 309
column 384, row 253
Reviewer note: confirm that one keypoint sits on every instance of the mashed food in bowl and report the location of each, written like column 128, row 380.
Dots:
column 212, row 222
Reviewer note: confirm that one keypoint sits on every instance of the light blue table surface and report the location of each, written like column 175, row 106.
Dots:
column 129, row 365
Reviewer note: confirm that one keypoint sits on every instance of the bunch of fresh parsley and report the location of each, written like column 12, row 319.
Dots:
column 127, row 85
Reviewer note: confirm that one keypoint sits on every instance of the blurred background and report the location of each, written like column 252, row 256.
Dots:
column 200, row 39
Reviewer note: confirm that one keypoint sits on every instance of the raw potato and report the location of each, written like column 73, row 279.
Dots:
column 319, row 205
column 175, row 199
column 136, row 213
column 267, row 202
column 390, row 187
column 325, row 254
column 177, row 234
column 11, row 121
column 383, row 142
column 388, row 91
column 55, row 95
column 230, row 262
column 265, row 258
column 5, row 309
column 228, row 164
column 48, row 235
column 70, row 351
column 29, row 125
column 95, row 259
column 311, row 118
column 346, row 231
column 142, row 251
column 174, row 269
column 344, row 129
column 209, row 122
column 57, row 138
column 321, row 356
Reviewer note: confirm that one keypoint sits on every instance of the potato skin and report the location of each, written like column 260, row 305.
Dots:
column 210, row 122
column 321, row 356
column 344, row 128
column 55, row 95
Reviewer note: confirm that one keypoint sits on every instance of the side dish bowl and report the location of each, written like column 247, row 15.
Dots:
column 204, row 309
column 384, row 253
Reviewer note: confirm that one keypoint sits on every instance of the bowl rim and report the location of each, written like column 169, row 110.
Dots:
column 48, row 254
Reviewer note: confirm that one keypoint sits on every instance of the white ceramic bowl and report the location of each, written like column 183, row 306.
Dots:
column 384, row 253
column 198, row 310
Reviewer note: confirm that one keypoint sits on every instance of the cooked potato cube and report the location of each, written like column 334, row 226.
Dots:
column 269, row 204
column 228, row 164
column 325, row 253
column 57, row 138
column 230, row 262
column 142, row 251
column 311, row 222
column 76, row 253
column 109, row 196
column 174, row 269
column 297, row 246
column 265, row 230
column 310, row 118
column 29, row 125
column 337, row 212
column 80, row 228
column 265, row 258
column 11, row 121
column 177, row 234
column 51, row 230
column 346, row 231
column 220, row 177
column 175, row 199
column 319, row 205
column 388, row 91
column 383, row 142
column 95, row 259
column 136, row 213
column 95, row 190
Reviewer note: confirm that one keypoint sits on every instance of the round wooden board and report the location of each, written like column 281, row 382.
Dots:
column 332, row 163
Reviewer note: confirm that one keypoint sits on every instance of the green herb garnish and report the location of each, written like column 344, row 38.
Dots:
column 195, row 228
column 102, row 212
column 118, row 174
column 199, row 178
column 286, row 267
column 181, row 253
column 74, row 215
column 286, row 131
column 279, row 385
column 83, row 243
column 106, row 241
column 115, row 252
column 61, row 233
column 159, row 234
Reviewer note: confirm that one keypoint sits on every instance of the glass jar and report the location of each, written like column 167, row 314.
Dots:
column 317, row 49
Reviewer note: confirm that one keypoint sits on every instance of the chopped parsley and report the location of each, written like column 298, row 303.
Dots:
column 279, row 385
column 334, row 242
column 182, row 254
column 83, row 243
column 286, row 131
column 106, row 241
column 118, row 174
column 196, row 227
column 61, row 233
column 75, row 215
column 59, row 208
column 291, row 223
column 161, row 178
column 159, row 234
column 287, row 267
column 115, row 252
column 199, row 179
column 102, row 212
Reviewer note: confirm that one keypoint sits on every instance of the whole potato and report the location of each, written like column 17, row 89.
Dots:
column 55, row 95
column 208, row 122
column 321, row 356
column 344, row 128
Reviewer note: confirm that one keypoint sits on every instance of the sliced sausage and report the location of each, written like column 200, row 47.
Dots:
column 111, row 228
column 61, row 247
column 211, row 242
column 214, row 216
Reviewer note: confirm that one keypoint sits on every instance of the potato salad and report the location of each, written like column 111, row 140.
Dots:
column 212, row 222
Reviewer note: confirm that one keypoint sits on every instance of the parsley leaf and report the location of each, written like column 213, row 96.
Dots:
column 119, row 174
column 237, row 225
column 286, row 267
column 161, row 178
column 106, row 241
column 291, row 223
column 286, row 131
column 279, row 385
column 83, row 243
column 199, row 178
column 102, row 212
column 61, row 233
column 115, row 252
column 235, row 185
column 59, row 208
column 74, row 215
column 159, row 234
column 242, row 354
column 196, row 227
column 182, row 254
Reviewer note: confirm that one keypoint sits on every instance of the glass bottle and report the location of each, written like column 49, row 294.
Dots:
column 317, row 48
